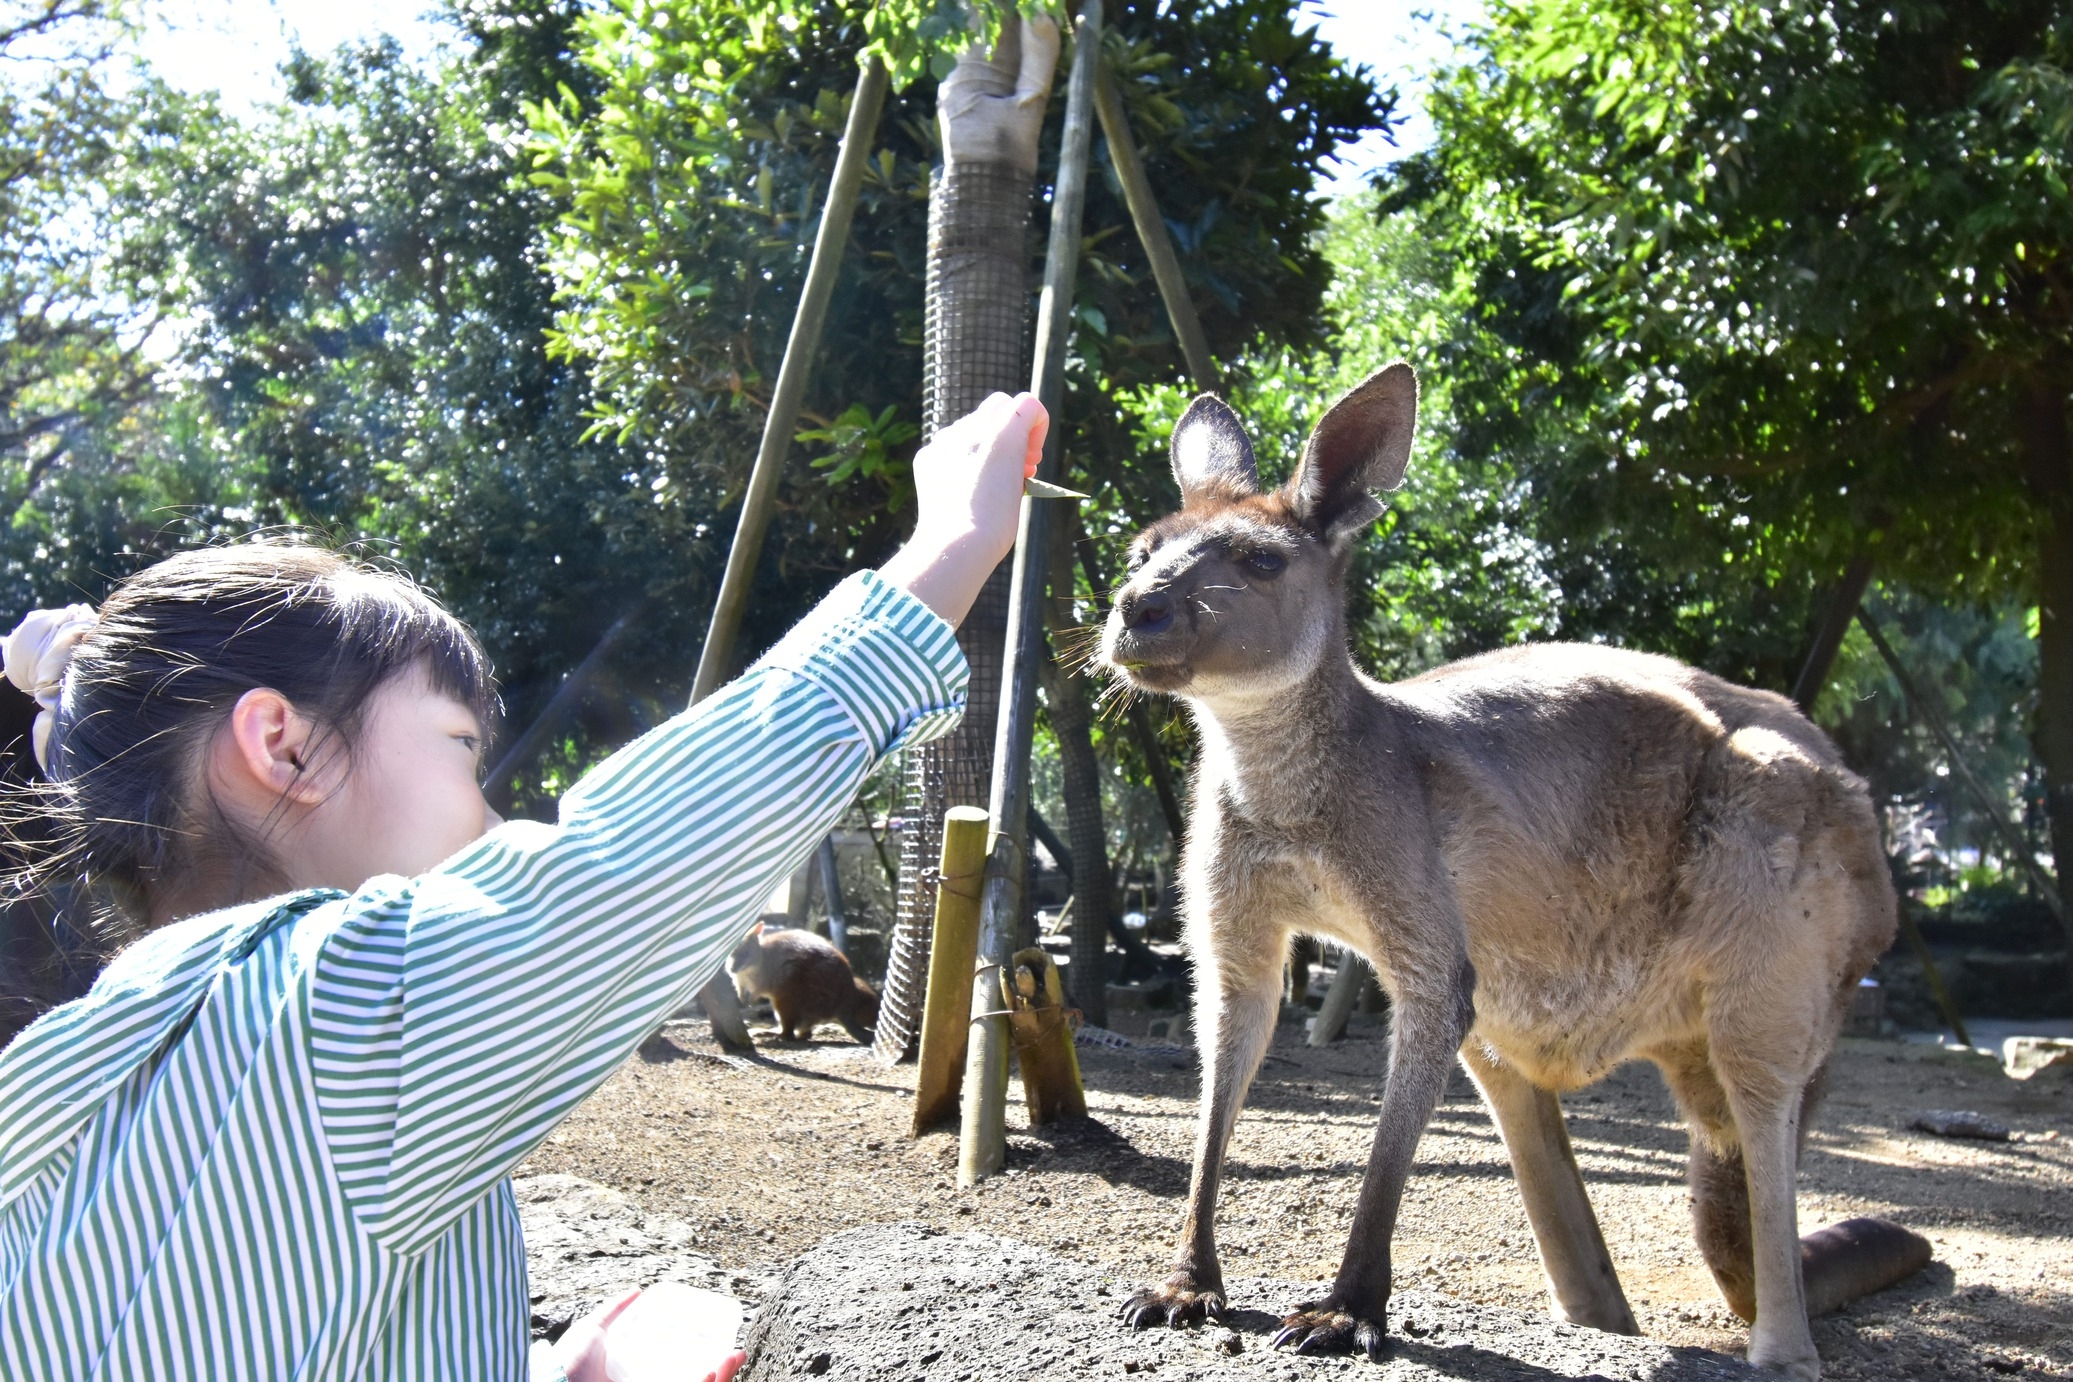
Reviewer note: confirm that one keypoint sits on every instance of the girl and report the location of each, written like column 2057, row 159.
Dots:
column 274, row 1140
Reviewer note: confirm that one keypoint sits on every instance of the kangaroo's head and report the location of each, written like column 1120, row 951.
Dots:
column 1238, row 594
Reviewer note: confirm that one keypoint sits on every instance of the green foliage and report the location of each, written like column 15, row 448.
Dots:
column 79, row 295
column 366, row 320
column 863, row 445
column 1752, row 286
column 690, row 182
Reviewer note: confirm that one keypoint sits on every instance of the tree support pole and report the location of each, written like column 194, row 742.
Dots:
column 1347, row 983
column 1945, row 1004
column 717, row 997
column 1835, row 622
column 565, row 697
column 1151, row 233
column 2047, row 887
column 831, row 894
column 783, row 418
column 1140, row 722
column 983, row 1138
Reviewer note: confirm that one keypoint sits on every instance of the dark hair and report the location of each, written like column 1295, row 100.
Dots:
column 177, row 644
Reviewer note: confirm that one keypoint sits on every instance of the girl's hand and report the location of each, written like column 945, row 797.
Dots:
column 968, row 490
column 584, row 1350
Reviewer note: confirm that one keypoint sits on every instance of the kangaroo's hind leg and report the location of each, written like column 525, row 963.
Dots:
column 1719, row 1181
column 1838, row 1264
column 1582, row 1285
column 1745, row 1158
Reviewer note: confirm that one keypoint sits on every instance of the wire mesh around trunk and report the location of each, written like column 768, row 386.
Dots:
column 979, row 286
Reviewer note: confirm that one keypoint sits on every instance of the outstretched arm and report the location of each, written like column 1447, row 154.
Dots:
column 455, row 1018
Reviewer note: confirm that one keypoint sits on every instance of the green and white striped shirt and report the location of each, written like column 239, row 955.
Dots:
column 274, row 1142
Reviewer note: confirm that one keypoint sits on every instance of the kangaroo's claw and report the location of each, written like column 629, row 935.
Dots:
column 1177, row 1302
column 1324, row 1326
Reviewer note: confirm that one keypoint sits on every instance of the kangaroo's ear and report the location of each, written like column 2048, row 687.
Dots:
column 1211, row 453
column 1362, row 444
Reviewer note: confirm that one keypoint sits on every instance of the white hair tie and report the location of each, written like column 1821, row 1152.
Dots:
column 37, row 654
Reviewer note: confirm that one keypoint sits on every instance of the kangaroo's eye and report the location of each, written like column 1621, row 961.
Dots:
column 1266, row 563
column 1137, row 558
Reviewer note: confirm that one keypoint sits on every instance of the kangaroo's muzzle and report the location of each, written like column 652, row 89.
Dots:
column 1149, row 639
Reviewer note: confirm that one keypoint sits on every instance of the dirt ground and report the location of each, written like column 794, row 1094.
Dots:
column 768, row 1157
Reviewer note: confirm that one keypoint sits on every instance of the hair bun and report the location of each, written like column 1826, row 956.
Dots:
column 36, row 656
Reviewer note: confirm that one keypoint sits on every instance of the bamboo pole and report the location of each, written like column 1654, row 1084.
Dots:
column 953, row 949
column 790, row 394
column 983, row 1138
column 1152, row 234
column 1945, row 1004
column 717, row 997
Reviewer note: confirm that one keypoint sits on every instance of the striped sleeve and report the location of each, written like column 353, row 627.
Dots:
column 457, row 1017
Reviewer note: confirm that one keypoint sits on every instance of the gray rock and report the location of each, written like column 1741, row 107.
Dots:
column 907, row 1301
column 1958, row 1122
column 585, row 1243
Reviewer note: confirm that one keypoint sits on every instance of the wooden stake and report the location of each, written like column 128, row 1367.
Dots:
column 983, row 1136
column 953, row 949
column 1151, row 233
column 1339, row 999
column 2018, row 849
column 1944, row 1002
column 785, row 401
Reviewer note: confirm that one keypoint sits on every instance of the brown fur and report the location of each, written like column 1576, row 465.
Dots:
column 1557, row 857
column 807, row 980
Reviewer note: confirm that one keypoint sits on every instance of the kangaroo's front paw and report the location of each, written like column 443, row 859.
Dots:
column 1178, row 1301
column 1330, row 1326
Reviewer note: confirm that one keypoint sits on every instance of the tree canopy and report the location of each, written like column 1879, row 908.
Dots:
column 1758, row 285
column 1706, row 302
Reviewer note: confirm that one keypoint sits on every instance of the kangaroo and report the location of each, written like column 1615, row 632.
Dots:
column 807, row 980
column 1557, row 858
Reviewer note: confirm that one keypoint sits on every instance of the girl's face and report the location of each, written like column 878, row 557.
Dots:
column 406, row 798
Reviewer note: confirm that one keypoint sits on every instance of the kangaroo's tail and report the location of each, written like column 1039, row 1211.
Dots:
column 1855, row 1258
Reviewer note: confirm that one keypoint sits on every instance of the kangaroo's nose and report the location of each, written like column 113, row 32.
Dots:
column 1147, row 611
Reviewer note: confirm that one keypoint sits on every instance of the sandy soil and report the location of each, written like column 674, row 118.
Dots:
column 766, row 1158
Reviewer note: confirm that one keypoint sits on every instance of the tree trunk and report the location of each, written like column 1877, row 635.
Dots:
column 2051, row 479
column 990, row 111
column 1065, row 689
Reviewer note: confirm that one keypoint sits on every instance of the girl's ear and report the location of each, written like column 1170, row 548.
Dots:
column 1362, row 444
column 269, row 742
